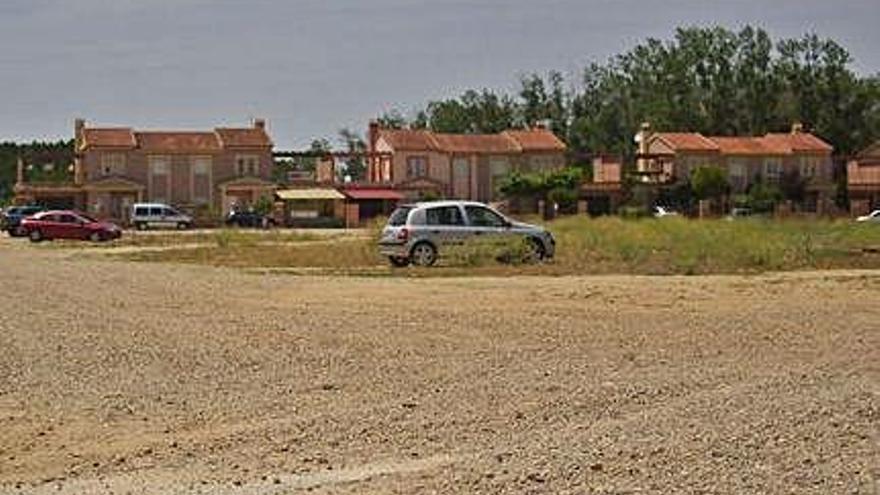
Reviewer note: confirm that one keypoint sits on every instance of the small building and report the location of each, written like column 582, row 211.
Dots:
column 603, row 193
column 115, row 167
column 668, row 157
column 313, row 207
column 426, row 164
column 863, row 180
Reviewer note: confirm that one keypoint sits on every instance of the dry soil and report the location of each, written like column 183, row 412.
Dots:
column 118, row 377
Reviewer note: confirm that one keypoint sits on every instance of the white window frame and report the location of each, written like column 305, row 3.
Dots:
column 247, row 165
column 773, row 168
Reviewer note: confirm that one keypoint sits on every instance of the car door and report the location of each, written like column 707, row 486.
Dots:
column 445, row 225
column 486, row 223
column 68, row 227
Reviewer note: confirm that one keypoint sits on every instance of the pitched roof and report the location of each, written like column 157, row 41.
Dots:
column 511, row 141
column 115, row 137
column 243, row 137
column 536, row 140
column 409, row 140
column 798, row 141
column 205, row 142
column 476, row 143
column 769, row 144
column 745, row 146
column 176, row 141
column 686, row 141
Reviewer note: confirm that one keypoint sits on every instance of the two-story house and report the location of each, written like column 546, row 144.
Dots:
column 115, row 167
column 670, row 156
column 460, row 166
column 863, row 180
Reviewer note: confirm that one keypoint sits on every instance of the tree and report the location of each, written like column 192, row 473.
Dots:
column 709, row 182
column 355, row 166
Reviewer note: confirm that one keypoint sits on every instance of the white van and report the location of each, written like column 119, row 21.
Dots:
column 158, row 215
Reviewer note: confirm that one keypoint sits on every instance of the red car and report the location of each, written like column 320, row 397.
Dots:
column 65, row 224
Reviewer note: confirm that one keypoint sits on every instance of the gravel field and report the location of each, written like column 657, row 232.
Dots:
column 119, row 377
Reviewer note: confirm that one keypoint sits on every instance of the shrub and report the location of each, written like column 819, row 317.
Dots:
column 709, row 182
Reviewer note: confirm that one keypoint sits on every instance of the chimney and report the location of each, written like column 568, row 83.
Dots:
column 260, row 124
column 373, row 135
column 797, row 128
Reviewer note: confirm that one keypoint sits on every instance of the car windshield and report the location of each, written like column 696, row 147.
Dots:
column 87, row 217
column 399, row 216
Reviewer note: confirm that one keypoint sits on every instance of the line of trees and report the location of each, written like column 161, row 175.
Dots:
column 710, row 80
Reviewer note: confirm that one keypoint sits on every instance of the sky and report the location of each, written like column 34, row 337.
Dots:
column 312, row 67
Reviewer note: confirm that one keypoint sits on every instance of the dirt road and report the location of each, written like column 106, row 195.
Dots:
column 118, row 377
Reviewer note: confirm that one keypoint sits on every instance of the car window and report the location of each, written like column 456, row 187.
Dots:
column 67, row 218
column 484, row 217
column 141, row 211
column 399, row 216
column 156, row 212
column 444, row 215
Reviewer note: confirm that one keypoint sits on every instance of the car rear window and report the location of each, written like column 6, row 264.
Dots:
column 399, row 216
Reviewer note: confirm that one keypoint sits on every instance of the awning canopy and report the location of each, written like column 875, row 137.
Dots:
column 309, row 194
column 389, row 194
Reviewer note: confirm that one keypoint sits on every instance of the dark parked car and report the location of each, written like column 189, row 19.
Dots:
column 66, row 224
column 249, row 219
column 12, row 217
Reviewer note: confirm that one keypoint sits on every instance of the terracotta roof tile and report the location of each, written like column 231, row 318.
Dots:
column 747, row 146
column 409, row 140
column 118, row 137
column 687, row 141
column 476, row 143
column 801, row 141
column 204, row 142
column 244, row 137
column 501, row 143
column 536, row 140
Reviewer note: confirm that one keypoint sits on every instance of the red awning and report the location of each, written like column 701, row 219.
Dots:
column 389, row 194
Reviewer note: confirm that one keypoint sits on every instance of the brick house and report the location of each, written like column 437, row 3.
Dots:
column 666, row 157
column 116, row 167
column 461, row 166
column 863, row 180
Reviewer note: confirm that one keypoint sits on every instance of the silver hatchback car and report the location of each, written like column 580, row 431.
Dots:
column 417, row 233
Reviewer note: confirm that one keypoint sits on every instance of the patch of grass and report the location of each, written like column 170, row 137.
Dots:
column 584, row 246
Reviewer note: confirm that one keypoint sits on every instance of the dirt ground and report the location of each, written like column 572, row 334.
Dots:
column 118, row 377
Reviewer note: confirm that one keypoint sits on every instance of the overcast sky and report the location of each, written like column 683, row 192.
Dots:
column 311, row 67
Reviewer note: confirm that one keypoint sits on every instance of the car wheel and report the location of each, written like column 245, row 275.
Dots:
column 182, row 226
column 96, row 237
column 398, row 261
column 140, row 226
column 534, row 251
column 19, row 232
column 423, row 254
column 35, row 236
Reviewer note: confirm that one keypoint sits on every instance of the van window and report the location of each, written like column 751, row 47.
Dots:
column 169, row 212
column 156, row 212
column 141, row 211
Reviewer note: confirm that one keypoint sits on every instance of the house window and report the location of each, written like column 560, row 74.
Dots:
column 201, row 179
column 500, row 168
column 809, row 166
column 417, row 166
column 247, row 165
column 160, row 178
column 773, row 168
column 112, row 164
